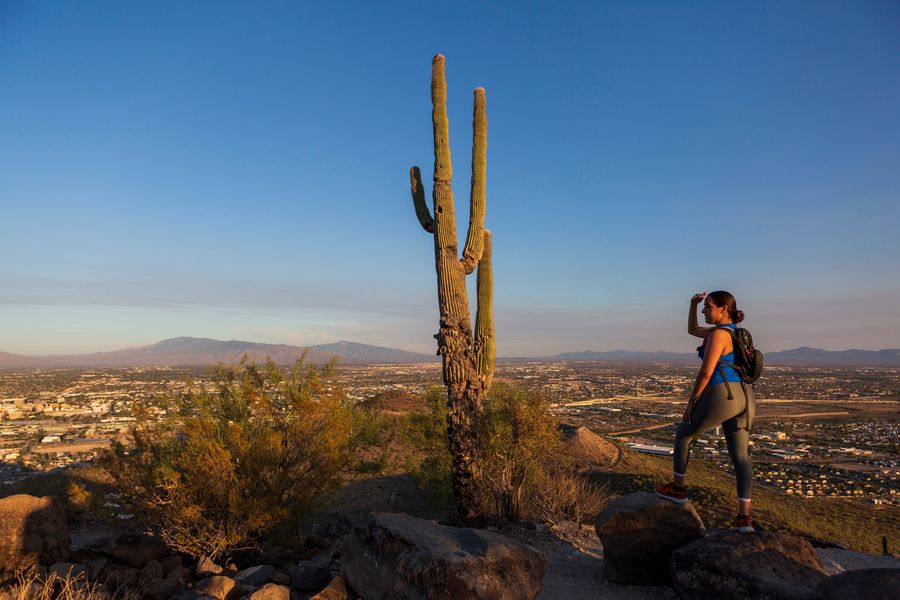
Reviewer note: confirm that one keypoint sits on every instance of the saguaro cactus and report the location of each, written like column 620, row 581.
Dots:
column 468, row 360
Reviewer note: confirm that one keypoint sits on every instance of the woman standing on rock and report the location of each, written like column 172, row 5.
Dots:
column 719, row 397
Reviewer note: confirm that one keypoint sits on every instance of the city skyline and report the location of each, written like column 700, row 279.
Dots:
column 229, row 172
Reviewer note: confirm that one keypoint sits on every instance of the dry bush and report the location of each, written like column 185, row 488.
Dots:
column 561, row 494
column 31, row 586
column 516, row 438
column 257, row 451
column 523, row 472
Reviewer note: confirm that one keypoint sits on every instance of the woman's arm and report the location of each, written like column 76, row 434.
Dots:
column 693, row 328
column 715, row 347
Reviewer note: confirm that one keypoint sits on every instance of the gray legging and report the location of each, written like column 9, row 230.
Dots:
column 713, row 408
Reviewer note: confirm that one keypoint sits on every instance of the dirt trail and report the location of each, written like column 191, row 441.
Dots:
column 575, row 565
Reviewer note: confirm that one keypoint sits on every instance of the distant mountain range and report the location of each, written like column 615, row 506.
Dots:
column 798, row 357
column 188, row 351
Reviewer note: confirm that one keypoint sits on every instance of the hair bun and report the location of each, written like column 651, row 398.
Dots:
column 738, row 316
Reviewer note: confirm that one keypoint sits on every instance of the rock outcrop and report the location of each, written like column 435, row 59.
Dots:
column 747, row 566
column 390, row 555
column 864, row 584
column 639, row 532
column 34, row 532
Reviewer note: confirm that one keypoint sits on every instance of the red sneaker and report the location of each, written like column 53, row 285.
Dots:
column 744, row 524
column 672, row 492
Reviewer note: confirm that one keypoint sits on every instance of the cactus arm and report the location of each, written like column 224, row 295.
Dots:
column 443, row 169
column 484, row 318
column 474, row 244
column 418, row 194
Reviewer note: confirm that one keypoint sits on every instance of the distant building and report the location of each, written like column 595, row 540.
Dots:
column 649, row 449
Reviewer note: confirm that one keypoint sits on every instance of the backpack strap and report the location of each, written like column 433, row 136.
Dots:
column 724, row 379
column 719, row 364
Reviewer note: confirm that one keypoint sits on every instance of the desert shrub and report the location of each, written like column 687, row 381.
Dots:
column 561, row 494
column 523, row 472
column 79, row 498
column 258, row 449
column 426, row 431
column 516, row 437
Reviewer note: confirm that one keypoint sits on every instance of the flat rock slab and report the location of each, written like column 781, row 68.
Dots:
column 747, row 566
column 391, row 555
column 836, row 560
column 639, row 532
column 34, row 532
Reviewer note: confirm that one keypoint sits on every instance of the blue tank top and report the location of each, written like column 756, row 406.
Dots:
column 730, row 373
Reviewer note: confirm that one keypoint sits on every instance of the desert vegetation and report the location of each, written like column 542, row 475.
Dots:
column 31, row 586
column 250, row 456
column 524, row 472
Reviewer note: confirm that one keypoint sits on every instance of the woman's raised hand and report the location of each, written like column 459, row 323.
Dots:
column 698, row 298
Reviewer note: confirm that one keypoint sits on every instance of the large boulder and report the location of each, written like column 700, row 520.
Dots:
column 34, row 532
column 639, row 532
column 747, row 566
column 864, row 584
column 389, row 555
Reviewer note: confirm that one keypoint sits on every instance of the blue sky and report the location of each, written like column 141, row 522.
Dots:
column 238, row 170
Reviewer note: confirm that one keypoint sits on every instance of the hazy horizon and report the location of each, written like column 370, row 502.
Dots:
column 232, row 171
column 431, row 352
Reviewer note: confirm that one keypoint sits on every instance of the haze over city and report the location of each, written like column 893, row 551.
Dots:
column 230, row 171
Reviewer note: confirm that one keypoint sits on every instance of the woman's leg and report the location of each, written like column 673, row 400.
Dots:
column 738, row 442
column 708, row 413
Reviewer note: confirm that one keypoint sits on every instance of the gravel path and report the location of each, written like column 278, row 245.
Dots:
column 575, row 565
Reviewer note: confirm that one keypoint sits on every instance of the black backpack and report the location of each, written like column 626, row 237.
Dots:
column 748, row 360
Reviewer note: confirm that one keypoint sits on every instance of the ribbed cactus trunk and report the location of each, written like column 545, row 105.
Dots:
column 467, row 358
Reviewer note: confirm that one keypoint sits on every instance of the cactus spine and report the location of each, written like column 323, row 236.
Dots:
column 467, row 358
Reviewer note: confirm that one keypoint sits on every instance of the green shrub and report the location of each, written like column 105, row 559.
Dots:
column 257, row 450
column 426, row 431
column 523, row 472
